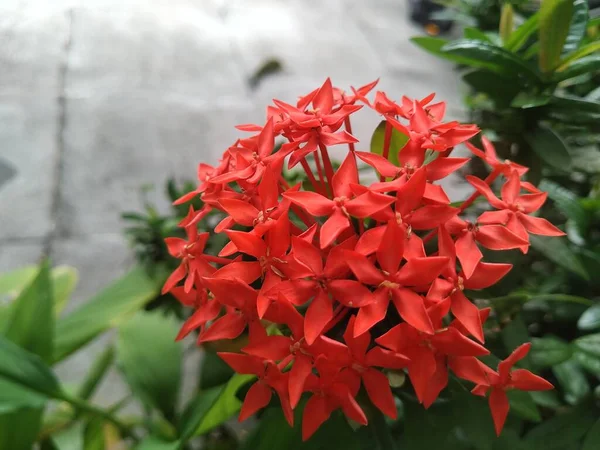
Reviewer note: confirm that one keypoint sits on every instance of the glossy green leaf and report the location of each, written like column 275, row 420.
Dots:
column 561, row 298
column 549, row 146
column 434, row 46
column 588, row 361
column 214, row 371
column 226, row 405
column 546, row 399
column 26, row 369
column 31, row 323
column 557, row 251
column 572, row 380
column 519, row 37
column 590, row 319
column 567, row 203
column 497, row 87
column 522, row 404
column 562, row 431
column 426, row 428
column 526, row 100
column 397, row 142
column 549, row 351
column 491, row 57
column 592, row 438
column 555, row 19
column 111, row 307
column 477, row 34
column 578, row 25
column 151, row 360
column 582, row 51
column 589, row 344
column 515, row 334
column 587, row 64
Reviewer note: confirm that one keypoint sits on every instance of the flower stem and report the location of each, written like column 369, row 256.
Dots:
column 349, row 130
column 320, row 171
column 328, row 166
column 310, row 176
column 387, row 140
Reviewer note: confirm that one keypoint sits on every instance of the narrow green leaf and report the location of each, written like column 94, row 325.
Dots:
column 549, row 146
column 590, row 319
column 578, row 26
column 562, row 431
column 515, row 334
column 572, row 380
column 31, row 324
column 93, row 435
column 592, row 438
column 397, row 142
column 64, row 280
column 561, row 298
column 549, row 351
column 491, row 57
column 555, row 19
column 499, row 88
column 109, row 308
column 196, row 411
column 225, row 406
column 18, row 430
column 69, row 439
column 588, row 361
column 153, row 443
column 519, row 37
column 214, row 371
column 151, row 360
column 526, row 100
column 582, row 51
column 506, row 22
column 13, row 282
column 587, row 64
column 96, row 373
column 14, row 397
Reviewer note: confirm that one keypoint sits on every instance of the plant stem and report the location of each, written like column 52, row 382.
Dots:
column 310, row 176
column 349, row 130
column 328, row 166
column 84, row 406
column 320, row 171
column 387, row 140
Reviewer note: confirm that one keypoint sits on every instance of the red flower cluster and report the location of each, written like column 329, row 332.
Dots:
column 334, row 284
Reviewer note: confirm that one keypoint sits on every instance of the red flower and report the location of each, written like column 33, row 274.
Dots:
column 489, row 156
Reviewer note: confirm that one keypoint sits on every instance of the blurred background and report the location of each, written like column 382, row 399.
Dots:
column 100, row 98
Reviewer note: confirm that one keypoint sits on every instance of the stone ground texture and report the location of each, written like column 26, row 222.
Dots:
column 100, row 97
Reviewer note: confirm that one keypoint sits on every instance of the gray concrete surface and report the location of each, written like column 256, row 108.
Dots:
column 100, row 97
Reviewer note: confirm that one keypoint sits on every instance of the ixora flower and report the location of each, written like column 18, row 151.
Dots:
column 343, row 273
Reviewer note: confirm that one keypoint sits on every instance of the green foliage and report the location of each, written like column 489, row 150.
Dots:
column 397, row 141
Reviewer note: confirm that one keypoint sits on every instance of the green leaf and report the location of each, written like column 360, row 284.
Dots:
column 477, row 34
column 549, row 146
column 151, row 359
column 214, row 371
column 96, row 373
column 426, row 429
column 557, row 251
column 93, row 435
column 572, row 380
column 64, row 280
column 491, row 57
column 582, row 51
column 109, row 308
column 26, row 369
column 549, row 351
column 225, row 406
column 592, row 438
column 475, row 419
column 587, row 64
column 522, row 404
column 195, row 412
column 12, row 283
column 397, row 142
column 519, row 37
column 555, row 19
column 506, row 21
column 562, row 431
column 31, row 323
column 514, row 335
column 589, row 344
column 526, row 100
column 69, row 439
column 561, row 298
column 588, row 361
column 567, row 203
column 578, row 25
column 546, row 399
column 14, row 396
column 590, row 319
column 153, row 443
column 18, row 430
column 497, row 87
column 434, row 46
column 575, row 104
